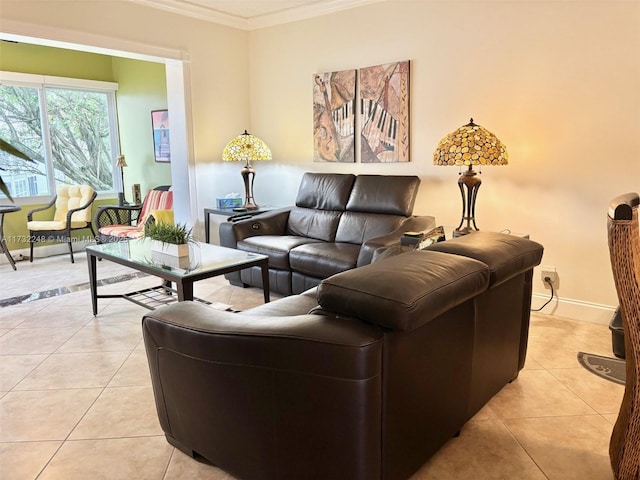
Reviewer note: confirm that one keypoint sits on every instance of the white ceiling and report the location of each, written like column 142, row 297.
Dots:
column 252, row 14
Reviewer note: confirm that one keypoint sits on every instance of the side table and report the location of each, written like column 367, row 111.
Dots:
column 448, row 230
column 231, row 214
column 410, row 241
column 3, row 244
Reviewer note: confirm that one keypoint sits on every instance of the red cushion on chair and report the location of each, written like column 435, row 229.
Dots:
column 123, row 231
column 155, row 200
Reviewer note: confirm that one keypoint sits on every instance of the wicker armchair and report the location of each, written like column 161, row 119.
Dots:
column 72, row 211
column 624, row 248
column 118, row 223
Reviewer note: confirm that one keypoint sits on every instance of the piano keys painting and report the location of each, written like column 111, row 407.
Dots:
column 384, row 113
column 334, row 117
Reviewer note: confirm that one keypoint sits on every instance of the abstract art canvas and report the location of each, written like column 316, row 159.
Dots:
column 334, row 96
column 160, row 129
column 384, row 113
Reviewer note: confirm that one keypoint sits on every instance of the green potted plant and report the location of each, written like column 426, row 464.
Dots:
column 169, row 238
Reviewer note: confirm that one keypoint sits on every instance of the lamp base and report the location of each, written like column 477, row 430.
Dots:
column 248, row 174
column 469, row 184
column 121, row 200
column 461, row 232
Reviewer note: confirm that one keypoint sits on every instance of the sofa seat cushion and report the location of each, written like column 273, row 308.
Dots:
column 406, row 291
column 506, row 255
column 53, row 225
column 324, row 259
column 276, row 247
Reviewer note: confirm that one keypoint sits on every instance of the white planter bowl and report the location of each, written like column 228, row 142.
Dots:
column 170, row 248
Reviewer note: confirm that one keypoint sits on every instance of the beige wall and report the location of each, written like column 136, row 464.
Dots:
column 142, row 88
column 556, row 81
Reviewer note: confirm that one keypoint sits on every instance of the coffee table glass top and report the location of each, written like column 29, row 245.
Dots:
column 9, row 208
column 202, row 257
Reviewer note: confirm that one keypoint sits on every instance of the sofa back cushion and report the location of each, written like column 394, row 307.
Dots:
column 387, row 194
column 318, row 224
column 357, row 227
column 322, row 197
column 406, row 291
column 325, row 191
column 506, row 255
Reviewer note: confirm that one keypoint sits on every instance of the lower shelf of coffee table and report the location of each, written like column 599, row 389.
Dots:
column 161, row 295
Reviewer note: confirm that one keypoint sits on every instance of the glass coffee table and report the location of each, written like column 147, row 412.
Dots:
column 204, row 261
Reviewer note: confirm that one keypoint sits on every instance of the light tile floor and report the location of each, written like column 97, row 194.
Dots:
column 76, row 399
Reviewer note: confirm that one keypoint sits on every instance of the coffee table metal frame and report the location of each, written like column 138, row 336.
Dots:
column 183, row 279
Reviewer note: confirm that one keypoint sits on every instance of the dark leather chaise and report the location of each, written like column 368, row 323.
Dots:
column 337, row 223
column 362, row 378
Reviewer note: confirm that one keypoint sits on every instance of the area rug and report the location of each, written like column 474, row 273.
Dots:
column 612, row 369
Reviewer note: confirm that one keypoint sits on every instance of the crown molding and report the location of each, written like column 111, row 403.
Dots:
column 305, row 12
column 302, row 12
column 188, row 9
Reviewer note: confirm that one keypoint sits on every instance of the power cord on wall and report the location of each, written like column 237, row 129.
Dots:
column 548, row 281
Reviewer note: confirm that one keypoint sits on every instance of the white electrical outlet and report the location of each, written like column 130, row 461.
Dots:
column 549, row 272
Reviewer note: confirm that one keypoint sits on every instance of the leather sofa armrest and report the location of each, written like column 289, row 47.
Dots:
column 269, row 223
column 411, row 224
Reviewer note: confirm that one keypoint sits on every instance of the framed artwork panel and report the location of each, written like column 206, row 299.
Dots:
column 384, row 113
column 160, row 129
column 334, row 96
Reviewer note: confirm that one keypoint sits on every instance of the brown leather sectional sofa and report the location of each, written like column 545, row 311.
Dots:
column 361, row 378
column 337, row 223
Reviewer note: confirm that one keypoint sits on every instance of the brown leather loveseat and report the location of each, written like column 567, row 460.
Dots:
column 362, row 378
column 337, row 223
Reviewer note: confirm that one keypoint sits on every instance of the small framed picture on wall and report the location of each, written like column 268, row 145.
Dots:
column 160, row 128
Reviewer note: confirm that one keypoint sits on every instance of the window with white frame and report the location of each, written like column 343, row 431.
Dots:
column 67, row 126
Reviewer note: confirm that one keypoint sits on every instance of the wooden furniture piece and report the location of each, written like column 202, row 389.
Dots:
column 3, row 244
column 72, row 211
column 624, row 248
column 204, row 261
column 116, row 223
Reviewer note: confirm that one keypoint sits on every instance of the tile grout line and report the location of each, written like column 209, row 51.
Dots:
column 79, row 287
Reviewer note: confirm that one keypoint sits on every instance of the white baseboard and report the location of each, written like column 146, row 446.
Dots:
column 574, row 309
